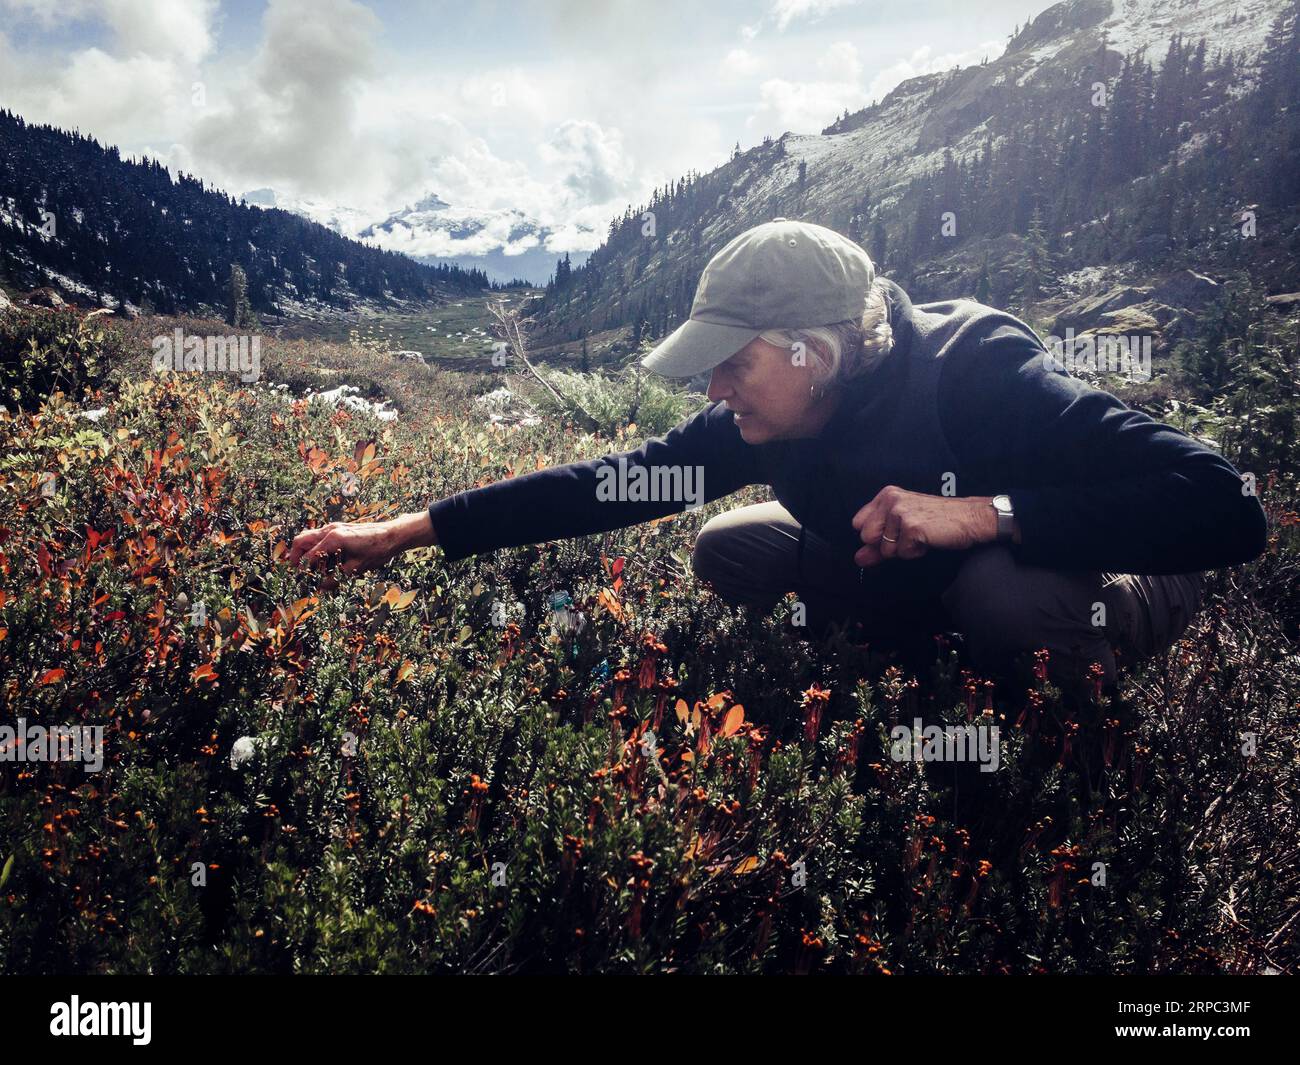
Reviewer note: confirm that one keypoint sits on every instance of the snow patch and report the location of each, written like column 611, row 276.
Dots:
column 503, row 407
column 349, row 397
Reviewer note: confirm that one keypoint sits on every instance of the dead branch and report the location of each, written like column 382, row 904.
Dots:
column 510, row 328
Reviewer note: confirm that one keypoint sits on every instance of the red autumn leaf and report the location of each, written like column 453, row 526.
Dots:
column 52, row 676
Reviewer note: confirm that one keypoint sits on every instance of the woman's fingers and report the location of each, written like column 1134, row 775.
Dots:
column 359, row 547
column 328, row 544
column 890, row 535
column 868, row 520
column 305, row 541
column 867, row 555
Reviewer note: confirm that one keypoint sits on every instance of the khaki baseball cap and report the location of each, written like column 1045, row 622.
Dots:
column 778, row 275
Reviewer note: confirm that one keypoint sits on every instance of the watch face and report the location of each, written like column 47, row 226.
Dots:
column 1002, row 504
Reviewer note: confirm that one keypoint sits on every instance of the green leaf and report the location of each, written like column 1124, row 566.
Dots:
column 6, row 871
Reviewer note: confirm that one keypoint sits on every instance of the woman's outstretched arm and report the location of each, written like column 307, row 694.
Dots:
column 363, row 545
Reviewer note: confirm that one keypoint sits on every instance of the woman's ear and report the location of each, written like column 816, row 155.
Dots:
column 819, row 366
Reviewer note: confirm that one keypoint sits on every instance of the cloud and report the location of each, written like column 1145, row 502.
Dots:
column 784, row 12
column 595, row 165
column 803, row 106
column 180, row 29
column 738, row 63
column 146, row 68
column 292, row 118
column 175, row 29
column 99, row 92
column 315, row 116
column 840, row 63
column 922, row 62
column 809, row 106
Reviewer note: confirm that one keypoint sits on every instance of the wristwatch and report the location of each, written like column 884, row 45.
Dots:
column 1006, row 519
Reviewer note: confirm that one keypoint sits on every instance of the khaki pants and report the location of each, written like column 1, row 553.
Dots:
column 751, row 556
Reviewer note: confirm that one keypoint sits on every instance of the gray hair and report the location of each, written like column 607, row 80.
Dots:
column 849, row 349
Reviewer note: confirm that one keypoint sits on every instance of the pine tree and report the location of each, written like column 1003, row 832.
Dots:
column 983, row 289
column 879, row 243
column 238, row 311
column 1037, row 265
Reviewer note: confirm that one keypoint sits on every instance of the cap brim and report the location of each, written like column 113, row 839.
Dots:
column 694, row 347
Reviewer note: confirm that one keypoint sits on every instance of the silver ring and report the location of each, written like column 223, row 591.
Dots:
column 889, row 538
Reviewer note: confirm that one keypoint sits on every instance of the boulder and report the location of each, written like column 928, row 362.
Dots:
column 45, row 297
column 1187, row 289
column 1122, row 342
column 1125, row 346
column 1086, row 313
column 5, row 302
column 1129, row 320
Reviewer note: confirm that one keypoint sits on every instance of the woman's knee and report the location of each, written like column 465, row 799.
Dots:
column 711, row 548
column 1004, row 609
column 993, row 598
column 748, row 554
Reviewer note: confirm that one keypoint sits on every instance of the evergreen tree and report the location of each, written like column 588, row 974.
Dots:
column 238, row 312
column 1037, row 265
column 983, row 290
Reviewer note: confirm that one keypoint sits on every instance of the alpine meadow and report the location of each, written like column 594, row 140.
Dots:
column 475, row 518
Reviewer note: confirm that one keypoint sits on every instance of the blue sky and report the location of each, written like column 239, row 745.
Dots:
column 564, row 111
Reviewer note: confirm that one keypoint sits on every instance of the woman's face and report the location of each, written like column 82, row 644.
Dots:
column 768, row 388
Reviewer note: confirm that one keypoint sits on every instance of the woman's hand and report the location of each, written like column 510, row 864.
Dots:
column 903, row 524
column 362, row 545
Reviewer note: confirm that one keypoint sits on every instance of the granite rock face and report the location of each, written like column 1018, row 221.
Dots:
column 1089, row 312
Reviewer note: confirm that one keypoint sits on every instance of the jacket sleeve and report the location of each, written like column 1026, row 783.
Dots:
column 1093, row 483
column 696, row 462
